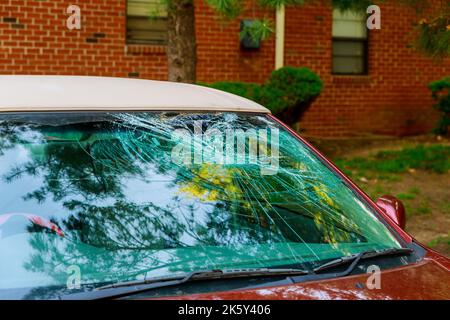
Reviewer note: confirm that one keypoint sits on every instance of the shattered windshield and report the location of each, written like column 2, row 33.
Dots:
column 102, row 197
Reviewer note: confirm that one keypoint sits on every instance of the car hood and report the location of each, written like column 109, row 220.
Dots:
column 428, row 279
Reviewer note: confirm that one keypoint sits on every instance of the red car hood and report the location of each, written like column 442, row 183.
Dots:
column 429, row 279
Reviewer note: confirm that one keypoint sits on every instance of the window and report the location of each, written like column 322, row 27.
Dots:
column 146, row 22
column 349, row 43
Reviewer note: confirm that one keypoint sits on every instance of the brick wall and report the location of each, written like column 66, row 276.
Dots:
column 392, row 99
column 219, row 54
column 35, row 40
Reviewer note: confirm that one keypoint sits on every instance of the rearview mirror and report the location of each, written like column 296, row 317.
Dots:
column 394, row 209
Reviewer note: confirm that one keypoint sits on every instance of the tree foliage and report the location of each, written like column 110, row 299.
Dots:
column 434, row 36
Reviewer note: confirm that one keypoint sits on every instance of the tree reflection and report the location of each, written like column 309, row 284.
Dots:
column 9, row 136
column 86, row 173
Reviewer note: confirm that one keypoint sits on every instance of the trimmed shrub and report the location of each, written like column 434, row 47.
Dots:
column 288, row 93
column 441, row 93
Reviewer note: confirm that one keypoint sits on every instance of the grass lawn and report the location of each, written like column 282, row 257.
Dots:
column 417, row 172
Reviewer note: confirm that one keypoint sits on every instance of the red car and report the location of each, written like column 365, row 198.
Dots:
column 135, row 189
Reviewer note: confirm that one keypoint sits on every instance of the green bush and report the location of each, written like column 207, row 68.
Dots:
column 288, row 93
column 290, row 87
column 441, row 93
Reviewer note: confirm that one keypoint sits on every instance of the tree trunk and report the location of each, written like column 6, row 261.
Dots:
column 181, row 44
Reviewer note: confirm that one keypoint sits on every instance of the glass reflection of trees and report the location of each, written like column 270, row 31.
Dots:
column 88, row 166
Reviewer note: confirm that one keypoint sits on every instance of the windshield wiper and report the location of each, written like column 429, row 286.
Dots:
column 354, row 258
column 126, row 288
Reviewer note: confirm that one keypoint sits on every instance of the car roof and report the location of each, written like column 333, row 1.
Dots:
column 83, row 93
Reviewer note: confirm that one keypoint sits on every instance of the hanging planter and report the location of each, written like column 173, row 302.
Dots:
column 248, row 40
column 252, row 32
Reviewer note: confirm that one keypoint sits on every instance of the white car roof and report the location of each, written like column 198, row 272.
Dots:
column 78, row 93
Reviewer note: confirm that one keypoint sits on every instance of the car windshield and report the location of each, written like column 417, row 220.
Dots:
column 106, row 197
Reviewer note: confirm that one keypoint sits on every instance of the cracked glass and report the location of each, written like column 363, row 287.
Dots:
column 102, row 197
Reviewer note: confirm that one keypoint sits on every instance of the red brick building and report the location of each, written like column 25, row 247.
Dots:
column 385, row 92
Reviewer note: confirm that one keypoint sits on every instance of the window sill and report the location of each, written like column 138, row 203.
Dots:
column 144, row 49
column 353, row 79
